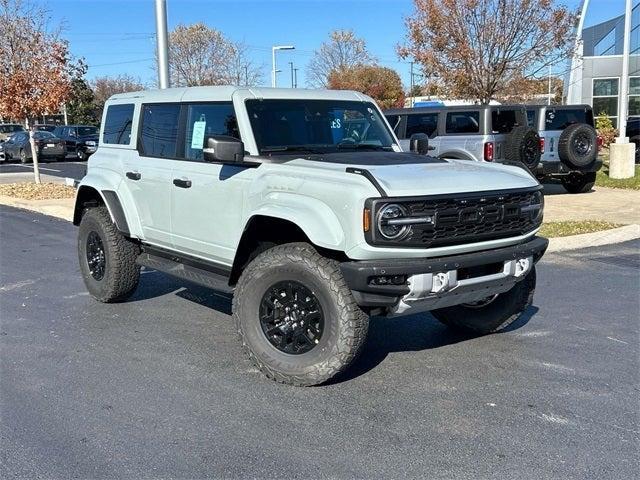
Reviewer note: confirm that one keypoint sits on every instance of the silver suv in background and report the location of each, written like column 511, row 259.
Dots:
column 492, row 133
column 568, row 144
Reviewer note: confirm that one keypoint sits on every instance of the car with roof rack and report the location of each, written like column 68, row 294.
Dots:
column 302, row 205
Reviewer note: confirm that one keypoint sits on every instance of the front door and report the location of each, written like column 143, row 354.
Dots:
column 207, row 198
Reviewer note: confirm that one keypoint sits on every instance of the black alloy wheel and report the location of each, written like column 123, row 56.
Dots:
column 96, row 259
column 291, row 317
column 582, row 144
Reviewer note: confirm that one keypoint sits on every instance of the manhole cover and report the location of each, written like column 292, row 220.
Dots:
column 630, row 261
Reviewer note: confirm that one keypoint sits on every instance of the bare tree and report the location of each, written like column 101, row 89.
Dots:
column 199, row 55
column 104, row 87
column 343, row 50
column 36, row 71
column 477, row 47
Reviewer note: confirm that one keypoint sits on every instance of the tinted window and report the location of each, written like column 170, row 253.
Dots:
column 561, row 119
column 159, row 132
column 463, row 122
column 86, row 131
column 10, row 128
column 117, row 125
column 43, row 134
column 208, row 119
column 317, row 125
column 531, row 118
column 503, row 121
column 422, row 123
column 394, row 121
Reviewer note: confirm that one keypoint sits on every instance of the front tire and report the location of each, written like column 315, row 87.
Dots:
column 107, row 258
column 497, row 314
column 579, row 182
column 296, row 318
column 82, row 155
column 23, row 157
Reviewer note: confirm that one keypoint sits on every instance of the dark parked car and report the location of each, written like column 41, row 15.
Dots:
column 18, row 146
column 633, row 132
column 81, row 140
column 8, row 129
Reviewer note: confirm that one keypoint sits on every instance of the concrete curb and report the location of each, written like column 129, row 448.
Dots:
column 595, row 239
column 63, row 208
column 60, row 208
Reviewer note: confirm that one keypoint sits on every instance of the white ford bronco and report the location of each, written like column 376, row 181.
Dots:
column 302, row 205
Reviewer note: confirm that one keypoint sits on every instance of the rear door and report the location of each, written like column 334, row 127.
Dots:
column 461, row 135
column 503, row 121
column 207, row 205
column 555, row 121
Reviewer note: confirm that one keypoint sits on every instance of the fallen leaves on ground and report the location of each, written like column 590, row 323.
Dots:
column 35, row 191
column 574, row 227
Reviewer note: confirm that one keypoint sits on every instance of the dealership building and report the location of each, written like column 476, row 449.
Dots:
column 596, row 70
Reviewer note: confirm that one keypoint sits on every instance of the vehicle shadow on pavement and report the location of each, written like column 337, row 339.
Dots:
column 411, row 334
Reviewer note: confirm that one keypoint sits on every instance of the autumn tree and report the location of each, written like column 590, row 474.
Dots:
column 199, row 55
column 477, row 47
column 381, row 83
column 524, row 90
column 36, row 71
column 343, row 50
column 104, row 87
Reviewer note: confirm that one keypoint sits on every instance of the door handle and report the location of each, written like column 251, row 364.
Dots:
column 134, row 175
column 178, row 182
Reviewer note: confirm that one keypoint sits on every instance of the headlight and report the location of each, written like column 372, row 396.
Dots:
column 390, row 222
column 90, row 143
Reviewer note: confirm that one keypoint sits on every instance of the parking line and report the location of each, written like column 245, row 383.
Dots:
column 41, row 168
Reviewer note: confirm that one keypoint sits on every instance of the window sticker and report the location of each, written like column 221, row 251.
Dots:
column 197, row 138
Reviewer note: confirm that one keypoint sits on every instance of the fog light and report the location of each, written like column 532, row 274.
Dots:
column 388, row 280
column 440, row 282
column 522, row 267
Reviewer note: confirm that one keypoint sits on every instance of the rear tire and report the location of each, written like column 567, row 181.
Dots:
column 523, row 145
column 496, row 315
column 578, row 145
column 579, row 182
column 285, row 342
column 107, row 258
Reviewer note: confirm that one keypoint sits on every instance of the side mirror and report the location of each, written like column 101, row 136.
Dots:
column 222, row 148
column 419, row 143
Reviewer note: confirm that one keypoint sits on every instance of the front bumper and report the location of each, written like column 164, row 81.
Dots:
column 440, row 282
column 557, row 168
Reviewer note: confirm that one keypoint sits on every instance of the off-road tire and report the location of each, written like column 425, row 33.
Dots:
column 579, row 182
column 346, row 325
column 523, row 145
column 122, row 273
column 567, row 145
column 505, row 309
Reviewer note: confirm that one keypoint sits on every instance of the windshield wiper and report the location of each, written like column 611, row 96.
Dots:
column 363, row 146
column 291, row 148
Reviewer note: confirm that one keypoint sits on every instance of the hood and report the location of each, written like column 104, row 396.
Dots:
column 415, row 175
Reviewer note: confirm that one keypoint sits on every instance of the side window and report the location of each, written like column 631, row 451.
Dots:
column 117, row 125
column 463, row 122
column 204, row 120
column 531, row 118
column 159, row 131
column 422, row 123
column 503, row 121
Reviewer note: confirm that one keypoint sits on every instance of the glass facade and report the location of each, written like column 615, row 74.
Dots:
column 605, row 98
column 606, row 46
column 634, row 96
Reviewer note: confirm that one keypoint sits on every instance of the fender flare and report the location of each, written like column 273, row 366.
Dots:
column 318, row 222
column 456, row 155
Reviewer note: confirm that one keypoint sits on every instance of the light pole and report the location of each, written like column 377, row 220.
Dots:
column 162, row 44
column 292, row 81
column 273, row 60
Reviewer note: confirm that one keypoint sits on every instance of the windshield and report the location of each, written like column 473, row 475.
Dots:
column 86, row 131
column 42, row 134
column 317, row 126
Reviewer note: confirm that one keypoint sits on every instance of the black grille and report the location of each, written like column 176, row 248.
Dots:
column 466, row 218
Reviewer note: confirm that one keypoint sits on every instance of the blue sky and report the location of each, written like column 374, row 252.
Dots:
column 116, row 36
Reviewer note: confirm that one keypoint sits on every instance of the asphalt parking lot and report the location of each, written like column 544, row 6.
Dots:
column 17, row 172
column 157, row 386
